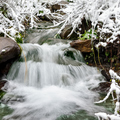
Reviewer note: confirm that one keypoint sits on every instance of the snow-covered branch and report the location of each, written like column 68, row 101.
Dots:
column 14, row 13
column 103, row 14
column 113, row 88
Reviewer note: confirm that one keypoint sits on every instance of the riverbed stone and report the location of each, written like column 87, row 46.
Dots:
column 82, row 45
column 9, row 52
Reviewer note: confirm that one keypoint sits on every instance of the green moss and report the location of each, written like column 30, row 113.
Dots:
column 20, row 50
column 40, row 11
column 69, row 54
column 87, row 35
column 19, row 40
column 19, row 37
column 2, row 93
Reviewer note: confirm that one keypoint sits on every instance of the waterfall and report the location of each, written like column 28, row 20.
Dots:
column 49, row 81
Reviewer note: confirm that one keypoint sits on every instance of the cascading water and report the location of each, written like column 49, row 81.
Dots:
column 54, row 81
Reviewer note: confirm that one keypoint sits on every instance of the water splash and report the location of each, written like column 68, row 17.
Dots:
column 47, row 103
column 50, row 65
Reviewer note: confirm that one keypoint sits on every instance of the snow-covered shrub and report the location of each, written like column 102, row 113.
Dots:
column 103, row 14
column 10, row 20
column 13, row 14
column 113, row 88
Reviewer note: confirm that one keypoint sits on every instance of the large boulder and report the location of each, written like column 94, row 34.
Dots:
column 9, row 49
column 82, row 45
column 9, row 52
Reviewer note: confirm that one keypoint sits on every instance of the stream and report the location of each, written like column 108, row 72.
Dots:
column 50, row 82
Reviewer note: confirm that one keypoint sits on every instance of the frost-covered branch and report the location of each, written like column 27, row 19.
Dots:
column 14, row 14
column 113, row 88
column 103, row 14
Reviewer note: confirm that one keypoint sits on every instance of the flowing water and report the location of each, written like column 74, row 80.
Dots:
column 51, row 82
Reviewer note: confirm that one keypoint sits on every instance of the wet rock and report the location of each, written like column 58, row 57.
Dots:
column 82, row 45
column 103, row 87
column 47, row 17
column 106, row 75
column 118, row 72
column 2, row 83
column 9, row 52
column 58, row 6
column 66, row 31
column 8, row 49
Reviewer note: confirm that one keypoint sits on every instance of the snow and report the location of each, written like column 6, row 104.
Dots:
column 105, row 116
column 113, row 74
column 104, row 44
column 3, row 50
